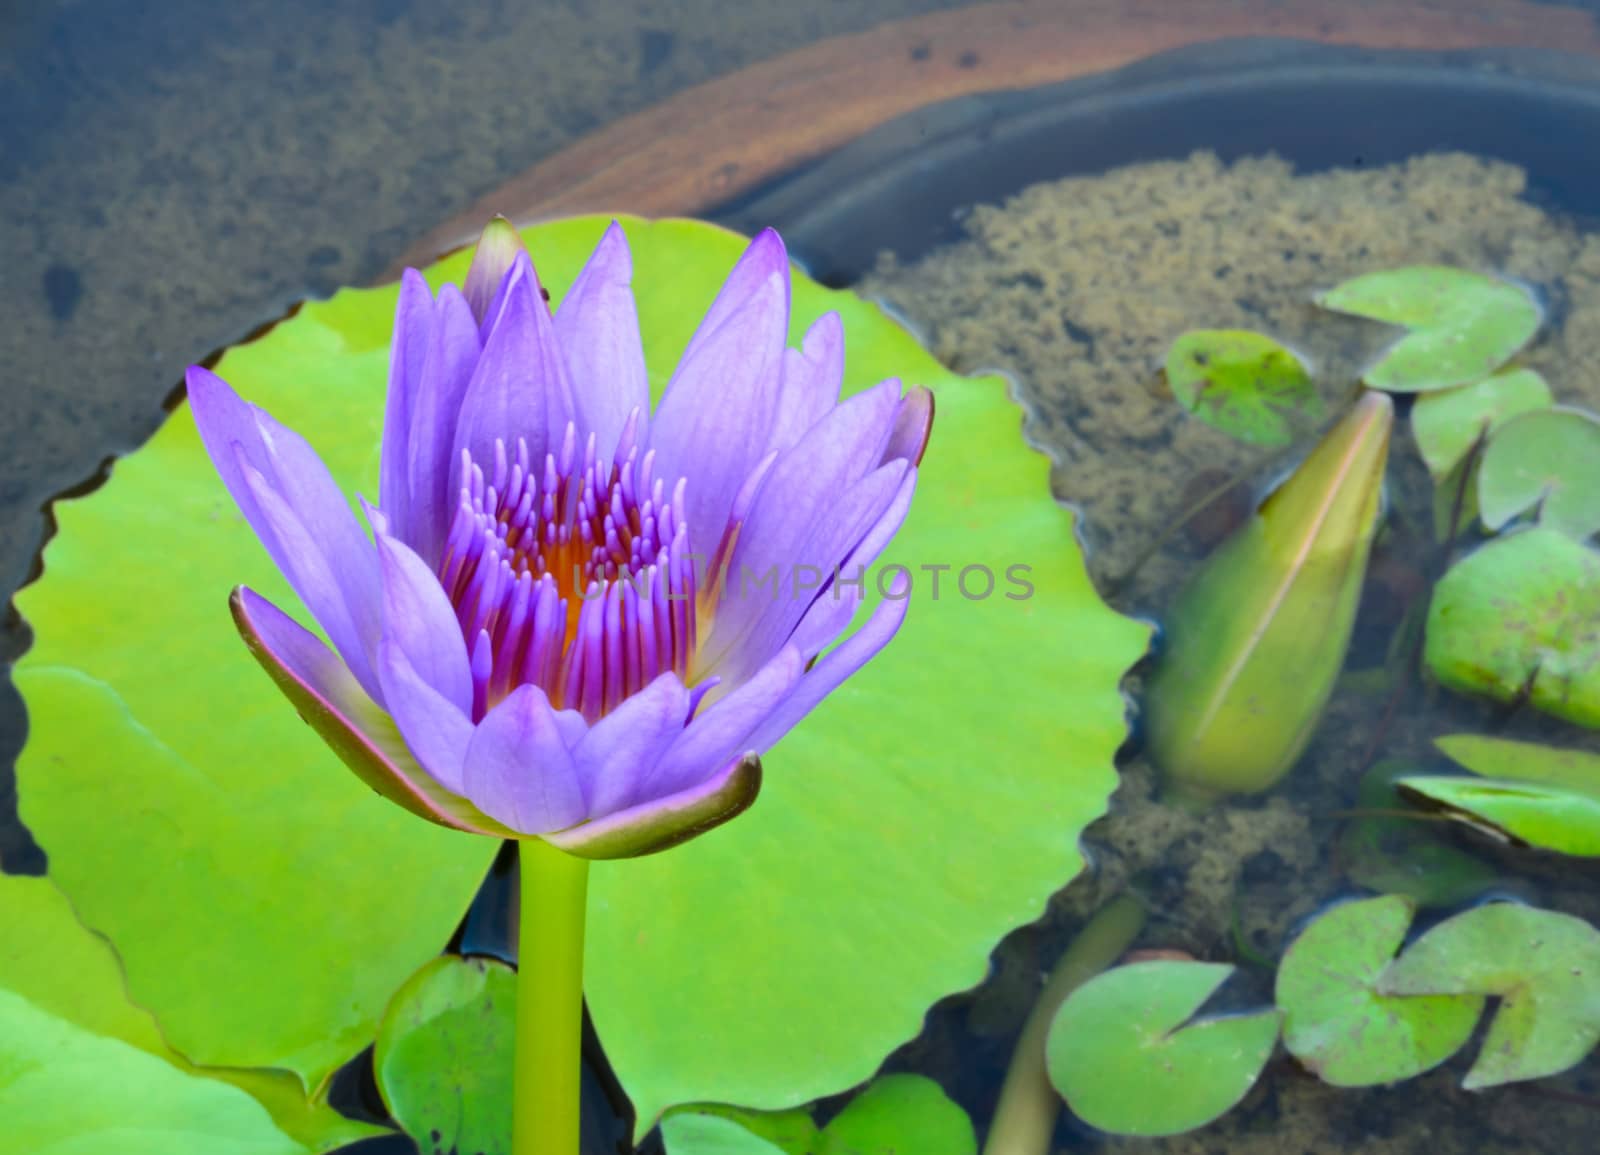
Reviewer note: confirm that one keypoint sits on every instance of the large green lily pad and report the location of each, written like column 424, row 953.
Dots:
column 926, row 809
column 1335, row 1021
column 1463, row 325
column 1243, row 383
column 1519, row 619
column 1447, row 423
column 1126, row 1057
column 1549, row 458
column 1544, row 966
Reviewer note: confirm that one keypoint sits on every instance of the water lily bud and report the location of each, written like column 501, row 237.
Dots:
column 1257, row 639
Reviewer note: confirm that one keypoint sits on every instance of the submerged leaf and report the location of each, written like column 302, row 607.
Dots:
column 1257, row 639
column 1243, row 383
column 1523, row 761
column 1544, row 966
column 1550, row 459
column 1403, row 856
column 1127, row 1059
column 1335, row 1021
column 1519, row 620
column 1463, row 325
column 444, row 1055
column 1447, row 423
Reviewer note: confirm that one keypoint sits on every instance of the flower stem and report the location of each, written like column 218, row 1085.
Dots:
column 549, row 1063
column 1025, row 1118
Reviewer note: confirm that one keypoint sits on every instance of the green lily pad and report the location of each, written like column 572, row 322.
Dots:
column 1126, row 1057
column 1550, row 459
column 66, row 1090
column 50, row 959
column 1447, row 423
column 1463, row 325
column 1338, row 1025
column 895, row 1114
column 444, row 1055
column 1523, row 761
column 772, row 962
column 1519, row 619
column 1243, row 383
column 1544, row 966
column 1400, row 856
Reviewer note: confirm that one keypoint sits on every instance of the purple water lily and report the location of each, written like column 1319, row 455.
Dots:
column 577, row 619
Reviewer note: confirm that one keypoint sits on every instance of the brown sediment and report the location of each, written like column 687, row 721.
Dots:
column 712, row 142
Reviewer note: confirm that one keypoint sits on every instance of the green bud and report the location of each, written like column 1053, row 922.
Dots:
column 1256, row 640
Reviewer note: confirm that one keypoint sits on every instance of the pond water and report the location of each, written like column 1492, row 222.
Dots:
column 178, row 175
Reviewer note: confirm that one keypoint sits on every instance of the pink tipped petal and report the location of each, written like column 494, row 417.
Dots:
column 618, row 753
column 519, row 769
column 519, row 388
column 436, row 731
column 716, row 416
column 331, row 702
column 913, row 422
column 418, row 618
column 498, row 247
column 812, row 375
column 666, row 822
column 451, row 358
column 240, row 437
column 837, row 665
column 414, row 324
column 722, row 730
column 597, row 328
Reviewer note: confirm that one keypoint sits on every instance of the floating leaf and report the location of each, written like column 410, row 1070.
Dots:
column 1256, row 640
column 1336, row 1023
column 1127, row 1059
column 1447, row 423
column 1519, row 619
column 859, row 889
column 49, row 959
column 1243, row 383
column 65, row 1090
column 1544, row 966
column 1549, row 459
column 1523, row 761
column 895, row 1114
column 444, row 1055
column 1463, row 325
column 1404, row 856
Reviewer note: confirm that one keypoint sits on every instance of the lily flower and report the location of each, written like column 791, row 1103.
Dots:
column 575, row 618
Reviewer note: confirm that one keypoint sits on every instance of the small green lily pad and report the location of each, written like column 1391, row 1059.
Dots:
column 1336, row 1023
column 1243, row 383
column 444, row 1055
column 1402, row 856
column 895, row 1114
column 1463, row 325
column 1523, row 761
column 1520, row 619
column 1550, row 459
column 1544, row 966
column 1447, row 423
column 1123, row 1052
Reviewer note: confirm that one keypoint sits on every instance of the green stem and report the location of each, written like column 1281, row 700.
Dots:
column 549, row 1060
column 1025, row 1118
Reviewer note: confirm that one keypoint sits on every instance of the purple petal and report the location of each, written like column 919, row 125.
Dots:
column 670, row 821
column 321, row 688
column 519, row 769
column 435, row 729
column 414, row 322
column 618, row 753
column 812, row 375
column 839, row 663
column 498, row 248
column 597, row 327
column 716, row 417
column 419, row 619
column 519, row 388
column 721, row 731
column 332, row 566
column 913, row 422
column 446, row 372
column 763, row 257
